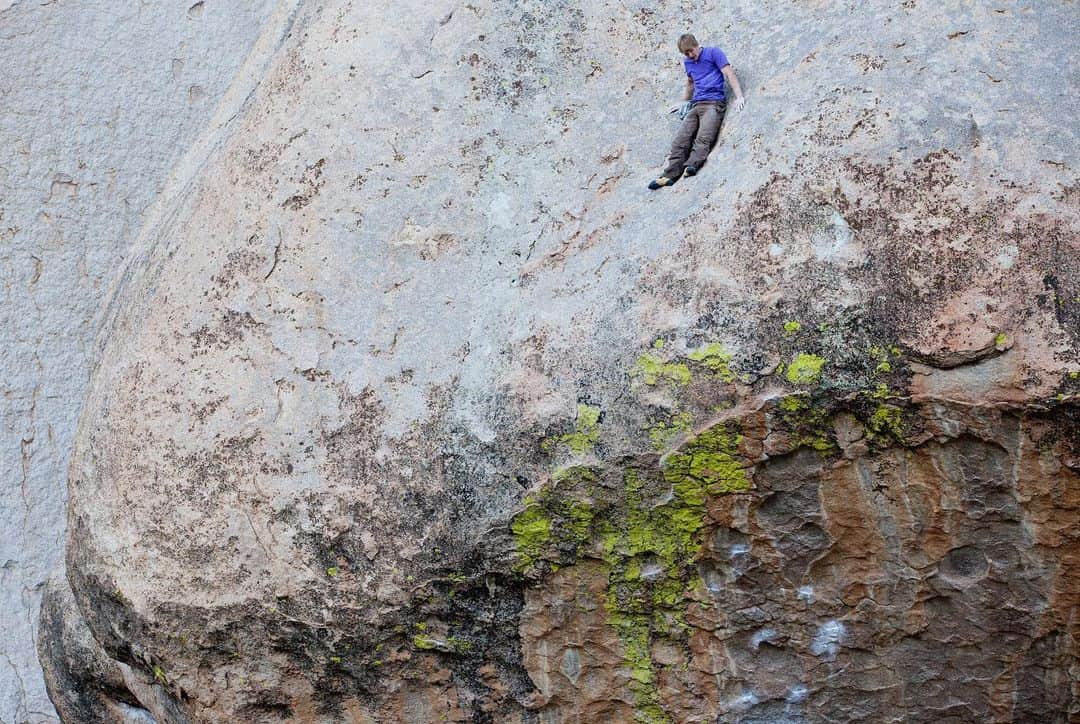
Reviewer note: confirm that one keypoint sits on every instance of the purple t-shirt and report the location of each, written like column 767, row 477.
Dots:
column 705, row 72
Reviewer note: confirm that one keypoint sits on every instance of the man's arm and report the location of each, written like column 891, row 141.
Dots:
column 729, row 74
column 688, row 93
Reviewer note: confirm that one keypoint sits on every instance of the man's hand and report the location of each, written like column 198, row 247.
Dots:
column 729, row 75
column 681, row 108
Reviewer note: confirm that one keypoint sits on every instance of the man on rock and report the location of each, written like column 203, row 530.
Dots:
column 703, row 109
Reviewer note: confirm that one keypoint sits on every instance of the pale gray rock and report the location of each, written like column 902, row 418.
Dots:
column 411, row 387
column 100, row 100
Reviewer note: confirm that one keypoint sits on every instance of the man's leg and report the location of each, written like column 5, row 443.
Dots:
column 680, row 147
column 712, row 117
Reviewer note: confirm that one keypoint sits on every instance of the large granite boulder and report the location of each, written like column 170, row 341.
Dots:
column 419, row 407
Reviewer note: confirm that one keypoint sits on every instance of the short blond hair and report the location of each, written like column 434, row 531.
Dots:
column 687, row 42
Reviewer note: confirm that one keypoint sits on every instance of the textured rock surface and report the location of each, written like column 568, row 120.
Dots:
column 100, row 100
column 418, row 407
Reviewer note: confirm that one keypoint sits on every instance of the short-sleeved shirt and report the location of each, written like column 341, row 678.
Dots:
column 705, row 72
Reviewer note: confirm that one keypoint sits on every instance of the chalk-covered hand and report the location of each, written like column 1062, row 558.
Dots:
column 739, row 103
column 681, row 108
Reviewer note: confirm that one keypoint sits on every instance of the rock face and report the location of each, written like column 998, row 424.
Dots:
column 100, row 100
column 418, row 407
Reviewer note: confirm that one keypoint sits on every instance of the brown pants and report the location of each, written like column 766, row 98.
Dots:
column 696, row 137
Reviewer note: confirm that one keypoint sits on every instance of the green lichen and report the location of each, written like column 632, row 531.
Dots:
column 634, row 632
column 880, row 392
column 532, row 531
column 585, row 435
column 332, row 571
column 887, row 420
column 791, row 327
column 452, row 644
column 649, row 538
column 884, row 356
column 576, row 477
column 586, row 430
column 335, row 659
column 804, row 369
column 459, row 645
column 807, row 423
column 663, row 432
column 665, row 537
column 709, row 463
column 556, row 521
column 159, row 675
column 424, row 643
column 652, row 369
column 579, row 518
column 1000, row 340
column 714, row 358
column 793, row 404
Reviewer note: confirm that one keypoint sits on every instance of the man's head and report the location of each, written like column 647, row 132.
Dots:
column 688, row 46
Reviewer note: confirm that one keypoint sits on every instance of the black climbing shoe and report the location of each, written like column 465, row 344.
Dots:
column 691, row 170
column 661, row 182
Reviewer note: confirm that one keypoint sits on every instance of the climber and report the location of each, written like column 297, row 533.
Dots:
column 702, row 111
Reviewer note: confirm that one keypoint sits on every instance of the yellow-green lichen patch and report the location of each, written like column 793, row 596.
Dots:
column 634, row 632
column 556, row 522
column 586, row 430
column 884, row 357
column 651, row 548
column 880, row 392
column 663, row 432
column 585, row 435
column 804, row 369
column 532, row 531
column 887, row 421
column 793, row 404
column 650, row 537
column 459, row 645
column 791, row 327
column 807, row 423
column 424, row 642
column 1001, row 340
column 714, row 358
column 652, row 369
column 709, row 460
column 332, row 571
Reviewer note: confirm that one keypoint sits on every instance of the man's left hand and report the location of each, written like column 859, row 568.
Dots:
column 738, row 103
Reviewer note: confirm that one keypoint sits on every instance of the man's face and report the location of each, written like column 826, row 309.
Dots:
column 692, row 53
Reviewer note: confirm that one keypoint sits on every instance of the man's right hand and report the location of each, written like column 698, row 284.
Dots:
column 681, row 108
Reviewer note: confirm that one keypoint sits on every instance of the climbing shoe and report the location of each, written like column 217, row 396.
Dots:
column 661, row 182
column 691, row 170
